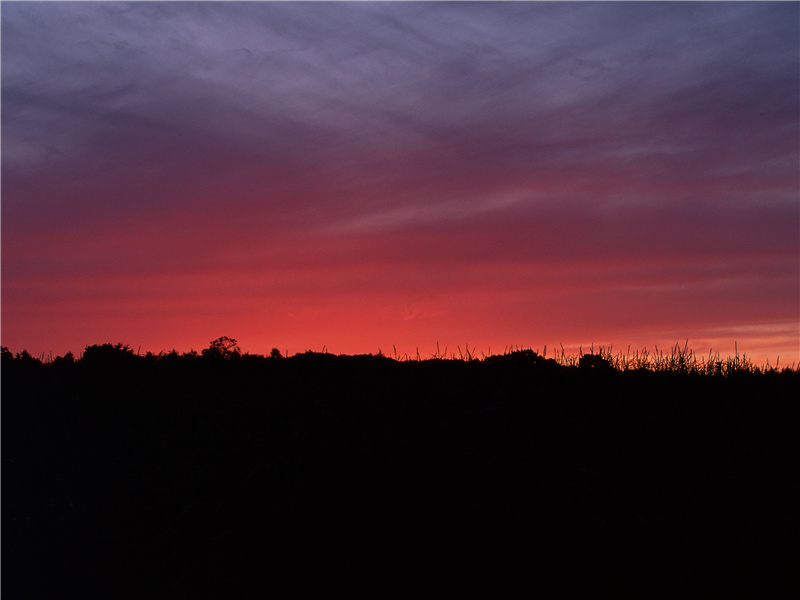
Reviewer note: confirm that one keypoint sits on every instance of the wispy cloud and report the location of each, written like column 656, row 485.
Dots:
column 288, row 139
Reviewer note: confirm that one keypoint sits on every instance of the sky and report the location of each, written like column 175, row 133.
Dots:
column 369, row 176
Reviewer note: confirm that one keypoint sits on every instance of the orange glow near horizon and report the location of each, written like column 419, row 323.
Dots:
column 398, row 329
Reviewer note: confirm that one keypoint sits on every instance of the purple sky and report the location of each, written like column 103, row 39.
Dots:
column 358, row 175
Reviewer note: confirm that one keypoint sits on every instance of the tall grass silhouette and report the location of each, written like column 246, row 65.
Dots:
column 677, row 359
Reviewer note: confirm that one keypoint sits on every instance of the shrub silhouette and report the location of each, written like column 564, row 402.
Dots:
column 5, row 354
column 521, row 358
column 595, row 362
column 67, row 359
column 107, row 355
column 26, row 358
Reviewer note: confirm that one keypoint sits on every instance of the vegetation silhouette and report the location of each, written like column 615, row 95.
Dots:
column 221, row 472
column 223, row 347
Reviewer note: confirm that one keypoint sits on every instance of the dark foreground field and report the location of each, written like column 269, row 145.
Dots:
column 196, row 477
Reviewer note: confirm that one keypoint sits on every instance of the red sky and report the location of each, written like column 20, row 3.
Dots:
column 369, row 175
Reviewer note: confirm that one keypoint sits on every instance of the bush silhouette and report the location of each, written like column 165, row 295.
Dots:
column 6, row 355
column 107, row 355
column 595, row 362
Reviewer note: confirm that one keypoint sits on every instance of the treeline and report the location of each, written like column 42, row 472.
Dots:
column 111, row 378
column 221, row 348
column 679, row 359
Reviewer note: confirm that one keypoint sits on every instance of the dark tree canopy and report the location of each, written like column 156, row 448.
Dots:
column 222, row 347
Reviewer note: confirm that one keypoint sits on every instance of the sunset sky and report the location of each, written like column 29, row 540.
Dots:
column 358, row 176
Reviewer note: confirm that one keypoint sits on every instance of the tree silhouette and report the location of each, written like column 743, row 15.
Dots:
column 222, row 347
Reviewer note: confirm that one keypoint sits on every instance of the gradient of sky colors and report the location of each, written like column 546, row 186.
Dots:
column 363, row 175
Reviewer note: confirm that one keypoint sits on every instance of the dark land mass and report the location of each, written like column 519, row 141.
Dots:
column 243, row 476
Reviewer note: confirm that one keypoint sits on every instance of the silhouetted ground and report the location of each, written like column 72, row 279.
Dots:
column 195, row 477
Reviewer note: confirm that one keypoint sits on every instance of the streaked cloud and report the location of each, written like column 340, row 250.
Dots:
column 618, row 146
